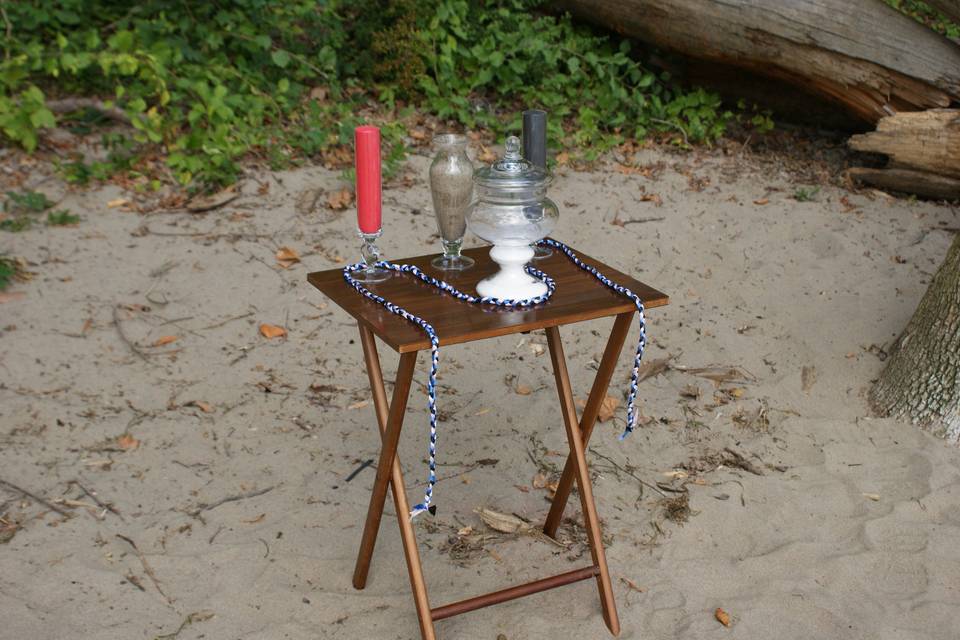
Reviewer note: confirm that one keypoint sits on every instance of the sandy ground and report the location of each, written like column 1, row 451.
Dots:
column 850, row 531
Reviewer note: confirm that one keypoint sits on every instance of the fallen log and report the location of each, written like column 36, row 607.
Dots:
column 921, row 183
column 861, row 54
column 927, row 141
column 923, row 150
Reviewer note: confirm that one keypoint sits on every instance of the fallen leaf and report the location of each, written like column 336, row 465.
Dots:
column 632, row 585
column 761, row 201
column 272, row 331
column 539, row 481
column 651, row 197
column 200, row 404
column 720, row 374
column 340, row 200
column 722, row 617
column 358, row 405
column 287, row 257
column 808, row 377
column 486, row 155
column 217, row 200
column 318, row 93
column 873, row 496
column 652, row 368
column 465, row 531
column 159, row 342
column 482, row 412
column 523, row 390
column 259, row 518
column 690, row 391
column 502, row 522
column 10, row 296
column 127, row 442
column 7, row 531
column 119, row 202
column 563, row 158
column 608, row 407
column 847, row 205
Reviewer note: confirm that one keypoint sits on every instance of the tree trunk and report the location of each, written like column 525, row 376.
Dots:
column 860, row 53
column 921, row 382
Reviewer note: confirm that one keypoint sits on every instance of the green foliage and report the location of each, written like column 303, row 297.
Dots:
column 806, row 194
column 211, row 83
column 16, row 224
column 28, row 201
column 486, row 61
column 761, row 120
column 8, row 270
column 925, row 14
column 62, row 218
column 21, row 210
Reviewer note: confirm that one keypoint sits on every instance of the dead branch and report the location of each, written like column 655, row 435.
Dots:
column 146, row 566
column 200, row 508
column 34, row 497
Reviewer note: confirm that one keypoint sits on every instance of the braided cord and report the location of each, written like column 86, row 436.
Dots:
column 500, row 302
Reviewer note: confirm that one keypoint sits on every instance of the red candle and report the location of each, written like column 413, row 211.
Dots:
column 367, row 151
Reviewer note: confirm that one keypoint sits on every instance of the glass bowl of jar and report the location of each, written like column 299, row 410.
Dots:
column 511, row 210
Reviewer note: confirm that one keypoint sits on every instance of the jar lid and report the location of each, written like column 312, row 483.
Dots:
column 511, row 172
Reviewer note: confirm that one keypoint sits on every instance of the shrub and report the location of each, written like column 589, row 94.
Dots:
column 210, row 83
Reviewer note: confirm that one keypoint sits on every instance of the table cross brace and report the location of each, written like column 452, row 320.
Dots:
column 390, row 421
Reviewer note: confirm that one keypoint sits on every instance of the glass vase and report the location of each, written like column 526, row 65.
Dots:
column 451, row 185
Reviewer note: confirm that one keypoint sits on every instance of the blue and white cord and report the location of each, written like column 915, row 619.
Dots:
column 466, row 297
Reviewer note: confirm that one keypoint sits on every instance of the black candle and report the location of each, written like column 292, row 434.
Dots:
column 535, row 137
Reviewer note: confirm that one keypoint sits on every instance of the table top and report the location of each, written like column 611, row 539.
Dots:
column 579, row 296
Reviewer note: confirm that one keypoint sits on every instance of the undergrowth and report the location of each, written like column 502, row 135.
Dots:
column 8, row 270
column 205, row 85
column 927, row 15
column 21, row 210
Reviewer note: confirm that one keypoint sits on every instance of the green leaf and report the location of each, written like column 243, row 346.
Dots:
column 280, row 58
column 42, row 118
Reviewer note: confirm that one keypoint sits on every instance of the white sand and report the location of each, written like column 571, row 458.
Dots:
column 855, row 538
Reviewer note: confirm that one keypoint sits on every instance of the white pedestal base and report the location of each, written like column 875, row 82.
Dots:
column 511, row 282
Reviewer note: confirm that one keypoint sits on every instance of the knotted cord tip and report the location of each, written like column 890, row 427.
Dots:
column 417, row 510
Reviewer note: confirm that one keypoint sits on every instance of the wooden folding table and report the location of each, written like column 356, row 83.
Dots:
column 578, row 297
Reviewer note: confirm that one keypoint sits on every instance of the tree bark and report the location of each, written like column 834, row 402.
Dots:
column 926, row 141
column 861, row 54
column 922, row 183
column 921, row 382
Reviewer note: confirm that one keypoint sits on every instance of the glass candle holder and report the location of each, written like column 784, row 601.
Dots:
column 451, row 185
column 371, row 273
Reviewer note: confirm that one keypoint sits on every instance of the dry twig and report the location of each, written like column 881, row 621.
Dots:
column 200, row 508
column 34, row 497
column 146, row 566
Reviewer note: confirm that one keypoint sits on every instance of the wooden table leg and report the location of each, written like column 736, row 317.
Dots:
column 621, row 327
column 577, row 449
column 390, row 422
